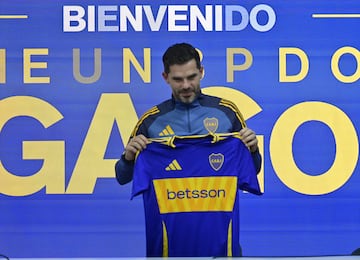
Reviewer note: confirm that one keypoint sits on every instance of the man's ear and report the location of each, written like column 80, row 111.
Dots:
column 165, row 76
column 202, row 71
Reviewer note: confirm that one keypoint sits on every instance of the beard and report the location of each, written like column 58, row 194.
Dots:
column 188, row 96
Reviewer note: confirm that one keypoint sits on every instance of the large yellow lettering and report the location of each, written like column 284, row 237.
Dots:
column 251, row 108
column 335, row 64
column 91, row 163
column 2, row 66
column 129, row 57
column 52, row 173
column 347, row 150
column 29, row 65
column 231, row 67
column 304, row 61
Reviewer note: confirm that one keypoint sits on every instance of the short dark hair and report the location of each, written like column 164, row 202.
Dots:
column 180, row 53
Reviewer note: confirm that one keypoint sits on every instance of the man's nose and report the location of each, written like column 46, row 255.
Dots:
column 186, row 83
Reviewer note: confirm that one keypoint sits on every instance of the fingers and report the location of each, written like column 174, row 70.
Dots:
column 249, row 138
column 137, row 143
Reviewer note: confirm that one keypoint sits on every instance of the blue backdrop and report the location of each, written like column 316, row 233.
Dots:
column 75, row 77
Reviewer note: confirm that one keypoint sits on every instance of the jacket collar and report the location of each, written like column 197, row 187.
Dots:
column 180, row 104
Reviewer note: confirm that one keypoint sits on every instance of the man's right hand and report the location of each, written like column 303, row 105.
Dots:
column 137, row 143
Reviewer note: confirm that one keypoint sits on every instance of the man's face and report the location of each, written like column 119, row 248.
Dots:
column 184, row 81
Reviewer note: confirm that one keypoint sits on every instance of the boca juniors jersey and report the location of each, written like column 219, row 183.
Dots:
column 190, row 191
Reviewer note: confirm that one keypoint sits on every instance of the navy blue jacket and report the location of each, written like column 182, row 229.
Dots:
column 206, row 114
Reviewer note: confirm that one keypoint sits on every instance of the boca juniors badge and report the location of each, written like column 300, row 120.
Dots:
column 216, row 160
column 211, row 124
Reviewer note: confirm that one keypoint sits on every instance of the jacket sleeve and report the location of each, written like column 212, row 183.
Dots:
column 124, row 170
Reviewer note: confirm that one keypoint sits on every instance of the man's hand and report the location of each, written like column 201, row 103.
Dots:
column 249, row 138
column 137, row 143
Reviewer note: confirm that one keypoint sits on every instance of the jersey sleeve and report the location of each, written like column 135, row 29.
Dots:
column 247, row 176
column 141, row 179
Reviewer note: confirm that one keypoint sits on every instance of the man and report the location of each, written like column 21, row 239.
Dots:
column 188, row 112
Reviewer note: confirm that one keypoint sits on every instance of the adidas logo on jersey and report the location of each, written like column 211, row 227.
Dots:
column 167, row 131
column 173, row 166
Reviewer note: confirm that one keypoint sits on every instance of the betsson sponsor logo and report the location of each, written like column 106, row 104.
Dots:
column 195, row 194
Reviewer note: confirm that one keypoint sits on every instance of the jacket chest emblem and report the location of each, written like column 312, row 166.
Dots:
column 211, row 124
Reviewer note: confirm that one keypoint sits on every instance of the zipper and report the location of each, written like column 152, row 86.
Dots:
column 188, row 118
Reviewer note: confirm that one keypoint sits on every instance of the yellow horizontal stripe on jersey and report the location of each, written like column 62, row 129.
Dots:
column 215, row 193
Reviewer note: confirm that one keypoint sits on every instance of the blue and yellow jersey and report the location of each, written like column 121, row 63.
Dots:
column 190, row 190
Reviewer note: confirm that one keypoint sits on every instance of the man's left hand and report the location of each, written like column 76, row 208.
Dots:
column 249, row 138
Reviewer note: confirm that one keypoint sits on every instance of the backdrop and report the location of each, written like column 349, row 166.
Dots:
column 75, row 76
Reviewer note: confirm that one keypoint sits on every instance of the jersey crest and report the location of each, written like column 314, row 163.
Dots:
column 216, row 160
